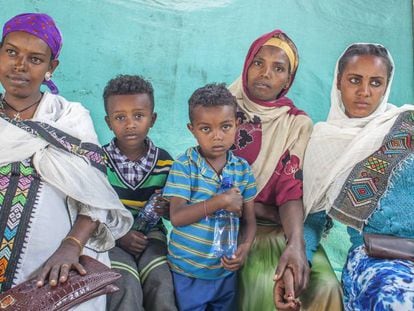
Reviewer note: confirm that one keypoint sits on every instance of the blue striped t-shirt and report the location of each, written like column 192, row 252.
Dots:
column 191, row 178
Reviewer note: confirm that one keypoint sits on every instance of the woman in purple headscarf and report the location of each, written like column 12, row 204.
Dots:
column 55, row 201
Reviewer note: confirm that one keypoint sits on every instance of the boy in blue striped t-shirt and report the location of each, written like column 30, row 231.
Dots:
column 201, row 280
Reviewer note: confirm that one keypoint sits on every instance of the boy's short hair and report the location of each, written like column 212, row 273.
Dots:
column 128, row 85
column 211, row 95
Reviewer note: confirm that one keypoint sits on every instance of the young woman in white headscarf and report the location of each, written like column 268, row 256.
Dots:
column 358, row 170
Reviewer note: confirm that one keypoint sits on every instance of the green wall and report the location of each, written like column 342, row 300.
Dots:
column 181, row 45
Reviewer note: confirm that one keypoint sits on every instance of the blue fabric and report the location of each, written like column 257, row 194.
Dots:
column 391, row 217
column 377, row 284
column 194, row 294
column 373, row 283
column 313, row 229
column 396, row 208
column 191, row 178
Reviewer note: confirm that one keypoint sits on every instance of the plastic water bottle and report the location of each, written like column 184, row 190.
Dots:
column 147, row 216
column 225, row 227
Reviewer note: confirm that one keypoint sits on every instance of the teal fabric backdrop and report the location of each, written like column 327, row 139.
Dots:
column 181, row 45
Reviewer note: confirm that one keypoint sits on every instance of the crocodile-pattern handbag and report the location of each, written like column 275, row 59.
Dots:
column 77, row 289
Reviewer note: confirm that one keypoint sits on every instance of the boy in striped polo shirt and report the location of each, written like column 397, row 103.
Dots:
column 201, row 280
column 137, row 169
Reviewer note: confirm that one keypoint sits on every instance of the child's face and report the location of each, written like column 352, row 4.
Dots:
column 362, row 85
column 268, row 74
column 24, row 60
column 215, row 130
column 130, row 117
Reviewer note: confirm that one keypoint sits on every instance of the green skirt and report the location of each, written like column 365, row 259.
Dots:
column 256, row 277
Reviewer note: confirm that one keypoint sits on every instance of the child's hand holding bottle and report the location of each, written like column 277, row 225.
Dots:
column 236, row 261
column 161, row 205
column 233, row 201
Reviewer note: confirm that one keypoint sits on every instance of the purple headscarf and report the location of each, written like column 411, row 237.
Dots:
column 41, row 26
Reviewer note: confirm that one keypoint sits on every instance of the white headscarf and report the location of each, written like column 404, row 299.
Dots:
column 338, row 144
column 88, row 189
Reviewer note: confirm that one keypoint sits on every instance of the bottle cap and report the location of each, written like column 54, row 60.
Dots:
column 226, row 182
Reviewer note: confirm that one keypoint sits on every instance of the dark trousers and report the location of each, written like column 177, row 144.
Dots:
column 146, row 282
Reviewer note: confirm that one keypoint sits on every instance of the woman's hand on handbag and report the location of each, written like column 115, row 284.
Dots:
column 66, row 257
column 57, row 267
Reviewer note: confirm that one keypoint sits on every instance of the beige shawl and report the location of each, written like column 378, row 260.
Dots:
column 281, row 131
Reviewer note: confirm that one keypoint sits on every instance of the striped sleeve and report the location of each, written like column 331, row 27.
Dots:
column 250, row 190
column 178, row 182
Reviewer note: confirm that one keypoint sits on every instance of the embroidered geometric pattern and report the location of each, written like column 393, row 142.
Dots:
column 407, row 127
column 361, row 191
column 399, row 143
column 376, row 164
column 63, row 141
column 368, row 180
column 5, row 172
column 19, row 184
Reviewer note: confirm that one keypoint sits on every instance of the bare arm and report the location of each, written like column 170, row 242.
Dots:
column 83, row 228
column 267, row 212
column 291, row 216
column 248, row 224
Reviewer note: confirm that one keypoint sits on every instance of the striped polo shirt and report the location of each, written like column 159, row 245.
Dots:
column 191, row 178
